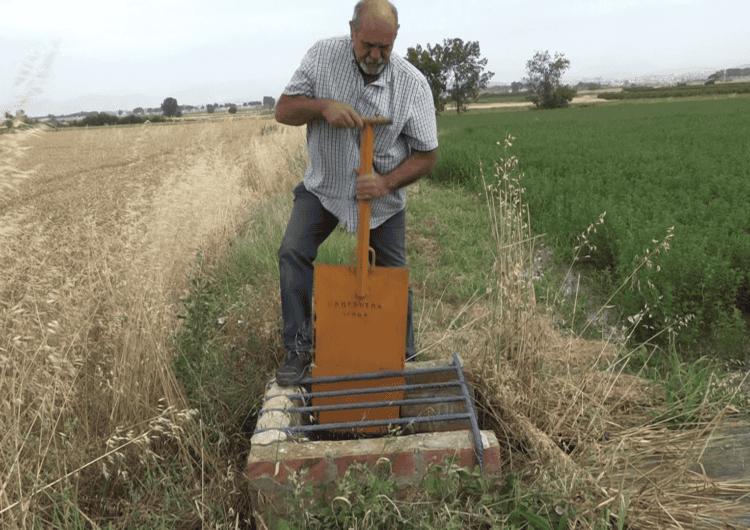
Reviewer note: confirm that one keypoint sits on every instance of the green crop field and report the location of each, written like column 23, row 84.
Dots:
column 650, row 167
column 646, row 92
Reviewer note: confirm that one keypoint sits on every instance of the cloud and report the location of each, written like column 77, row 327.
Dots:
column 46, row 14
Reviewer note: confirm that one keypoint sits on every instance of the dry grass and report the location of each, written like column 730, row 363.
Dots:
column 95, row 250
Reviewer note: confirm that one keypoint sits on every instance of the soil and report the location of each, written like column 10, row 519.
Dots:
column 583, row 99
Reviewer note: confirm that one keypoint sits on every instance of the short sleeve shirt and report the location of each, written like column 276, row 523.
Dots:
column 329, row 70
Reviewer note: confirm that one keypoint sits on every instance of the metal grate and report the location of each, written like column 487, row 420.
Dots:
column 466, row 396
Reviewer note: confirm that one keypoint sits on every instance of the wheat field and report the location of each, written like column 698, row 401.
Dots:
column 98, row 229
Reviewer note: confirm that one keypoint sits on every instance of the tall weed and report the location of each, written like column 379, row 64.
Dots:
column 568, row 408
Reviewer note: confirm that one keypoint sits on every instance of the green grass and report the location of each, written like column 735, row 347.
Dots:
column 453, row 250
column 222, row 357
column 449, row 497
column 649, row 167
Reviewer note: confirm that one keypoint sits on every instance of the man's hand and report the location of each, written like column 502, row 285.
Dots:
column 342, row 116
column 301, row 110
column 371, row 186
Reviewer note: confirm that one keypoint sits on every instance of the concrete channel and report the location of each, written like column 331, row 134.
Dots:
column 277, row 454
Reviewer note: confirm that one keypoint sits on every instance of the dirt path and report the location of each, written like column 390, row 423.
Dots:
column 585, row 99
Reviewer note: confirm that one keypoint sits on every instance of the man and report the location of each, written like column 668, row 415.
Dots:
column 340, row 80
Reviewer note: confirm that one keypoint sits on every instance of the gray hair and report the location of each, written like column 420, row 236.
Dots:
column 358, row 10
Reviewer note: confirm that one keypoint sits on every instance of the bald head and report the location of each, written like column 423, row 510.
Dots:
column 377, row 11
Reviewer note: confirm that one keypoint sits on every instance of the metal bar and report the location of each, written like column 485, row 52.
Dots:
column 368, row 404
column 369, row 423
column 373, row 390
column 379, row 375
column 455, row 367
column 376, row 375
column 478, row 445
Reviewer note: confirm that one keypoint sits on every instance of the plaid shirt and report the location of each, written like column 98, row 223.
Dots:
column 329, row 70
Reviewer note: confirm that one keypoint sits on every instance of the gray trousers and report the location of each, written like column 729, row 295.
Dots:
column 310, row 224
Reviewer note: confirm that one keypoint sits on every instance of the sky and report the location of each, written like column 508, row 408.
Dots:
column 59, row 57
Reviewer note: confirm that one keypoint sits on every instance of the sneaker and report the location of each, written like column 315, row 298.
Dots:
column 294, row 369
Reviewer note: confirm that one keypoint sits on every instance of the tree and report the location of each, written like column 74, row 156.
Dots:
column 138, row 110
column 464, row 69
column 544, row 80
column 426, row 62
column 97, row 119
column 269, row 102
column 232, row 109
column 210, row 108
column 170, row 108
column 516, row 86
column 454, row 71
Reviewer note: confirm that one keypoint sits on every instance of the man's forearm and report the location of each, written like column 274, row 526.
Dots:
column 413, row 168
column 299, row 110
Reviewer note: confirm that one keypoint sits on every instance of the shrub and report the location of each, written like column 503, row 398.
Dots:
column 554, row 99
column 99, row 118
column 131, row 120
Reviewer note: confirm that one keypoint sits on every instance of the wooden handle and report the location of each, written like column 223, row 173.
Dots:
column 363, row 239
column 376, row 120
column 367, row 147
